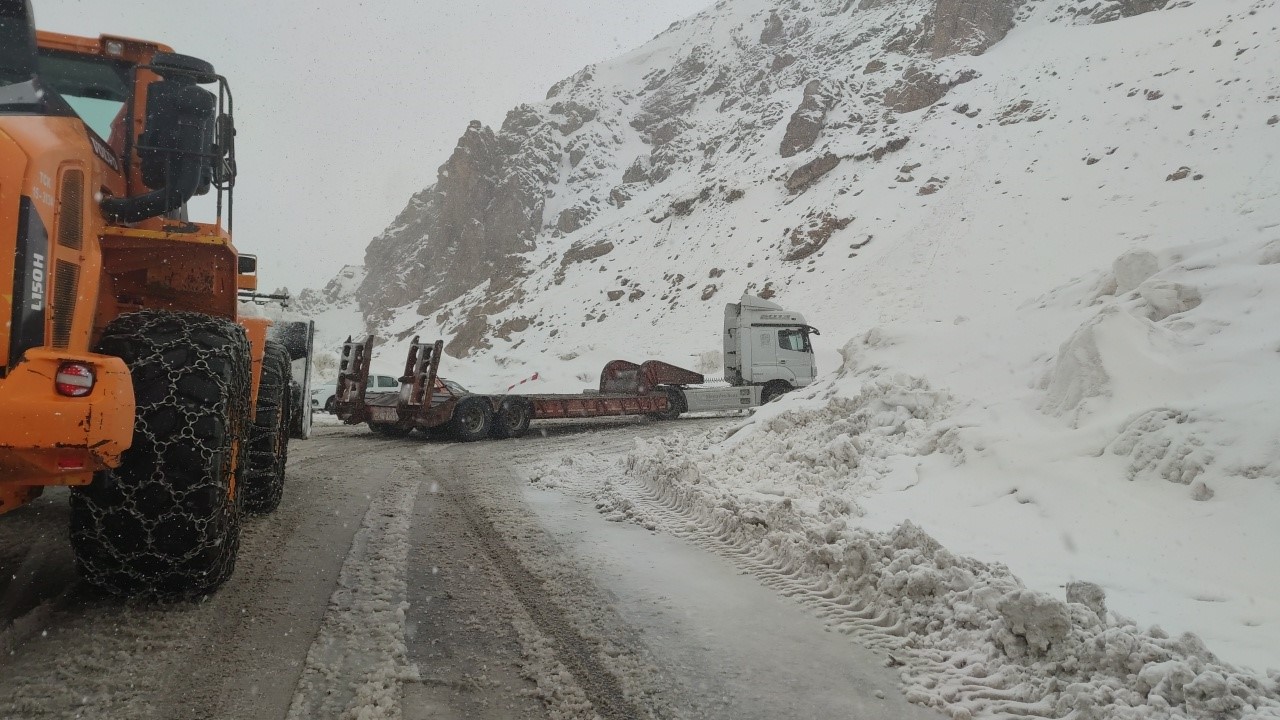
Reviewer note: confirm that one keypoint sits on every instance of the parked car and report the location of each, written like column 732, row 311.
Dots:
column 324, row 397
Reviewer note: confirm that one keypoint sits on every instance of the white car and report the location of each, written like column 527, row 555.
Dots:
column 324, row 397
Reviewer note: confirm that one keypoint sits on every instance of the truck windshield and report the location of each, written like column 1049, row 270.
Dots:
column 96, row 89
column 797, row 340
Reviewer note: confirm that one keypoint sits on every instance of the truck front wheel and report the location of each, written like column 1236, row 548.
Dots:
column 774, row 390
column 166, row 523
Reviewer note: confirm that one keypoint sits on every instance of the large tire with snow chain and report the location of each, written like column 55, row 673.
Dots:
column 471, row 419
column 166, row 523
column 512, row 418
column 269, row 433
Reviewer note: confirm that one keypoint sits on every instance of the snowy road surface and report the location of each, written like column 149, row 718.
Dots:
column 406, row 579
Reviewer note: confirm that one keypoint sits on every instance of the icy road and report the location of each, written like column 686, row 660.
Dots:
column 411, row 579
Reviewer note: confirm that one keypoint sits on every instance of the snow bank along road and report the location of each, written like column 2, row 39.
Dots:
column 403, row 579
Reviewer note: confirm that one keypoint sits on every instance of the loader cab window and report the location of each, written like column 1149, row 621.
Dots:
column 96, row 89
column 797, row 340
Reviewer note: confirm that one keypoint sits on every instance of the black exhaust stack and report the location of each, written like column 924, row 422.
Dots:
column 17, row 42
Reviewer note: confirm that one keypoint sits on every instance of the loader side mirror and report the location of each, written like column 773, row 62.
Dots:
column 175, row 147
column 247, row 265
column 177, row 140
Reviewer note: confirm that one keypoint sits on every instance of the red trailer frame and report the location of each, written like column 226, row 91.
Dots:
column 652, row 388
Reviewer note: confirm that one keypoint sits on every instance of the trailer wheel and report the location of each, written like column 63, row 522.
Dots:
column 390, row 429
column 331, row 405
column 512, row 418
column 166, row 523
column 471, row 420
column 676, row 404
column 269, row 433
column 775, row 389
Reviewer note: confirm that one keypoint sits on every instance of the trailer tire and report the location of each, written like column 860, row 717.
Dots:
column 269, row 433
column 390, row 429
column 166, row 522
column 471, row 419
column 512, row 419
column 773, row 390
column 331, row 405
column 676, row 404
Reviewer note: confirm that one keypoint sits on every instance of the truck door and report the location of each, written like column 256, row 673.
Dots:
column 764, row 356
column 796, row 354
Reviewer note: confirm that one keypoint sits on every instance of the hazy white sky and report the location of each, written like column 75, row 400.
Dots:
column 346, row 108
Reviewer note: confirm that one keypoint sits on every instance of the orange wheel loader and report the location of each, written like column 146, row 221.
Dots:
column 125, row 370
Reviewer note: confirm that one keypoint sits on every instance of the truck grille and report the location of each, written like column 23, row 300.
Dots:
column 66, row 282
column 71, row 210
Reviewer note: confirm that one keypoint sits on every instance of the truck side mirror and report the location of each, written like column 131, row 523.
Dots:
column 247, row 264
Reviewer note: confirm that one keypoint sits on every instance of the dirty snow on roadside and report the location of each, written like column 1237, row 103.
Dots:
column 358, row 662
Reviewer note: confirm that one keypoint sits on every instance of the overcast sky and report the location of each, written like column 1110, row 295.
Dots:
column 346, row 108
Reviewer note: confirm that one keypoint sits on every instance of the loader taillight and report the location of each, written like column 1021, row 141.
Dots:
column 74, row 380
column 70, row 462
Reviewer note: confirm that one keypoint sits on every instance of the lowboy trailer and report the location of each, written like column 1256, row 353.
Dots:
column 425, row 403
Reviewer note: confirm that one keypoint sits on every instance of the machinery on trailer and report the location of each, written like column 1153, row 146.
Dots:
column 766, row 348
column 126, row 371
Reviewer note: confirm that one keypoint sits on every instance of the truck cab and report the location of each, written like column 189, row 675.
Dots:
column 766, row 345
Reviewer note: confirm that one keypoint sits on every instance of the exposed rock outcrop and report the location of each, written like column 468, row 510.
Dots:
column 484, row 210
column 919, row 88
column 808, row 120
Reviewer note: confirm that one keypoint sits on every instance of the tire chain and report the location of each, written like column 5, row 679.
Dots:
column 269, row 433
column 161, row 524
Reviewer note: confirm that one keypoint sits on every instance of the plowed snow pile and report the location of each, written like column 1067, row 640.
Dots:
column 1136, row 465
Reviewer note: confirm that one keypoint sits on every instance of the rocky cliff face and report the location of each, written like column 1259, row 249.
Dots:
column 472, row 226
column 788, row 103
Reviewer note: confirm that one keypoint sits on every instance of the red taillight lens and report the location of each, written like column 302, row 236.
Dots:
column 74, row 380
column 70, row 462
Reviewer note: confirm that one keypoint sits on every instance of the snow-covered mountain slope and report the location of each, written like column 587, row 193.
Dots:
column 1057, row 216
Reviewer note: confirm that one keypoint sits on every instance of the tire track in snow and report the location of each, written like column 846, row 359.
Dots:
column 576, row 653
column 358, row 661
column 878, row 630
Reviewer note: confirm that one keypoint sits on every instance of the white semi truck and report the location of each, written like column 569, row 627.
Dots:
column 767, row 352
